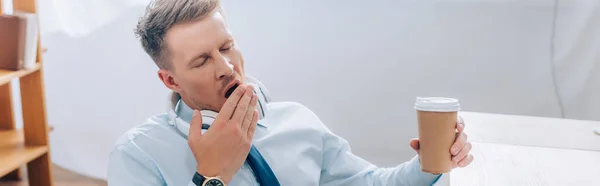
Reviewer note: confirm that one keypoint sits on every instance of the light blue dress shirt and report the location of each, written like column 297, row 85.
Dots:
column 299, row 148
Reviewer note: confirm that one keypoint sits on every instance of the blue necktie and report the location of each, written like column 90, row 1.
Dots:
column 260, row 167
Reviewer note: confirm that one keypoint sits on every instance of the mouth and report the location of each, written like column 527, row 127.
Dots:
column 231, row 87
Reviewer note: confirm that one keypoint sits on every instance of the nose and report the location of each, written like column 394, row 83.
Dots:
column 223, row 67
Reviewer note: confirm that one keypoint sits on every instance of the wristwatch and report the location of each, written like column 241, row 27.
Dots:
column 200, row 180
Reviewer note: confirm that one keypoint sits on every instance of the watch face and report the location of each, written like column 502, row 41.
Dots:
column 214, row 182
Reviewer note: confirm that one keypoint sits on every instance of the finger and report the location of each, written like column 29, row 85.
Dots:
column 459, row 143
column 249, row 116
column 252, row 127
column 466, row 161
column 242, row 107
column 229, row 107
column 460, row 124
column 196, row 124
column 414, row 143
column 463, row 153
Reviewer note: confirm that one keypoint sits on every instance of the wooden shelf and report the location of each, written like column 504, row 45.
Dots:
column 14, row 153
column 7, row 75
column 29, row 145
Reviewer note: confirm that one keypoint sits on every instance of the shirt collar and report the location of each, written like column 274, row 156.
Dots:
column 185, row 113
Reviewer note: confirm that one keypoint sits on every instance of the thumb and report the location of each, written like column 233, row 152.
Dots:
column 414, row 144
column 196, row 124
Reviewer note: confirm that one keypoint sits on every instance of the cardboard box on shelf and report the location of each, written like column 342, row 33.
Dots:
column 18, row 41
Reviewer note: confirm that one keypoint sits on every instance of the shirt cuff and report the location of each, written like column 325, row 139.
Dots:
column 417, row 176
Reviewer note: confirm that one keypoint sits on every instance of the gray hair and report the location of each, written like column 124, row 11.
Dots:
column 161, row 15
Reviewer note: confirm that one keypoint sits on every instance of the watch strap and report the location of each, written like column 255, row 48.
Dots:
column 198, row 179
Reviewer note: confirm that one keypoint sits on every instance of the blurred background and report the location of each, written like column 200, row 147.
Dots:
column 359, row 65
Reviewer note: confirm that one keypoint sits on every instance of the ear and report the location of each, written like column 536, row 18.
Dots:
column 168, row 79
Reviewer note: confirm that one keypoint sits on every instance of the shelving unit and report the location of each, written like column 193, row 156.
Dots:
column 27, row 146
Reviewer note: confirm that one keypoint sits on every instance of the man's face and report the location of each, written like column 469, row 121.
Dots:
column 205, row 62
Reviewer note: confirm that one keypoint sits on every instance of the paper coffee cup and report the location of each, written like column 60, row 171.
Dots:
column 437, row 117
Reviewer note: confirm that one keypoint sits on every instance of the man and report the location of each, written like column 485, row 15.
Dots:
column 220, row 128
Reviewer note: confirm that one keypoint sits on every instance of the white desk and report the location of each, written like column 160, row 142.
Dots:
column 521, row 150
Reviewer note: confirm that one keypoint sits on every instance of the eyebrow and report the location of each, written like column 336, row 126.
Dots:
column 228, row 40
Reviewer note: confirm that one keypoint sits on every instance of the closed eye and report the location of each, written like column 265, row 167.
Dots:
column 201, row 61
column 227, row 48
column 198, row 60
column 204, row 60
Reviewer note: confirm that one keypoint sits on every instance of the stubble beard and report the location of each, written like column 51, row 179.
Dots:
column 201, row 106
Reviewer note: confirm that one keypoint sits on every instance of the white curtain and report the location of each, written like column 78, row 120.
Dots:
column 80, row 17
column 99, row 82
column 577, row 57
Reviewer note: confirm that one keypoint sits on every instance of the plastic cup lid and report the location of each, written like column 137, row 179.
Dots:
column 437, row 104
